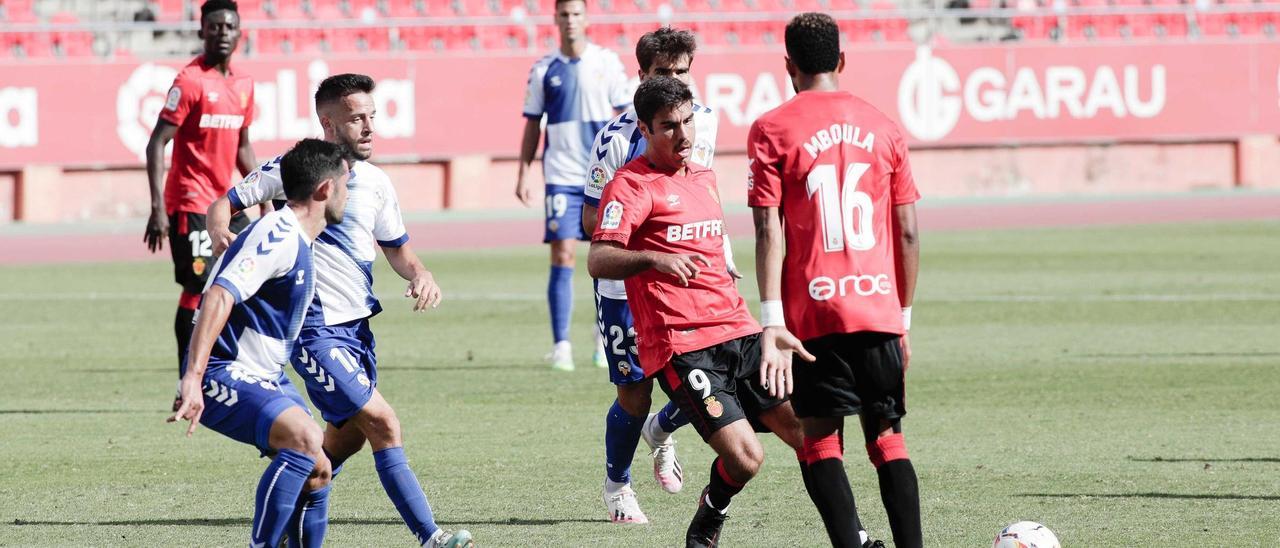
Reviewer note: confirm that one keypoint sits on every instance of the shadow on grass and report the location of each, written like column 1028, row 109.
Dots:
column 1165, row 459
column 231, row 522
column 78, row 412
column 494, row 367
column 1175, row 496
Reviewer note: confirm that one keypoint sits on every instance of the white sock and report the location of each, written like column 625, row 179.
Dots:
column 612, row 487
column 655, row 431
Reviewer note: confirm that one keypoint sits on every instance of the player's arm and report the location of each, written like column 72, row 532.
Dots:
column 528, row 149
column 215, row 308
column 907, row 264
column 778, row 343
column 422, row 285
column 609, row 260
column 258, row 188
column 158, row 223
column 218, row 223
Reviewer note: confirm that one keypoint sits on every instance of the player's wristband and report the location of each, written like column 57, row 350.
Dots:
column 771, row 314
column 906, row 318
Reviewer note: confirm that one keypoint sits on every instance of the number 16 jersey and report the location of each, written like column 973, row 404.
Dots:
column 834, row 166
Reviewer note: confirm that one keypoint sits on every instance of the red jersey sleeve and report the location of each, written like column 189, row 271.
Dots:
column 902, row 183
column 764, row 180
column 624, row 207
column 184, row 95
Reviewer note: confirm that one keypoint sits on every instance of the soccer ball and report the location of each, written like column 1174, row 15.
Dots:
column 1026, row 534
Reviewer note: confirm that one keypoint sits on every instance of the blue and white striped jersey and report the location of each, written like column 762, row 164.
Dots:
column 269, row 271
column 620, row 142
column 344, row 253
column 578, row 97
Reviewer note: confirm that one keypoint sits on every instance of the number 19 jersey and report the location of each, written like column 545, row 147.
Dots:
column 834, row 166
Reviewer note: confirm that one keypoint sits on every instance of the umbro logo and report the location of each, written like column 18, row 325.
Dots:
column 213, row 96
column 673, row 200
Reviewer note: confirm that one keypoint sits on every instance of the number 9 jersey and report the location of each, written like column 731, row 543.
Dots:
column 835, row 166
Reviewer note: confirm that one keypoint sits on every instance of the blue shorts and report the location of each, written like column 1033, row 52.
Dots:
column 339, row 367
column 243, row 407
column 613, row 318
column 564, row 213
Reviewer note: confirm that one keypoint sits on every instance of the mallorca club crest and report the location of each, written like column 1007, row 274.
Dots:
column 197, row 266
column 714, row 407
column 612, row 216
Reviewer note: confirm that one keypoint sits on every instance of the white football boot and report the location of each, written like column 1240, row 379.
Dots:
column 623, row 506
column 666, row 467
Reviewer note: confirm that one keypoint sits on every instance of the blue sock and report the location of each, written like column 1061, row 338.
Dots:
column 310, row 520
column 621, row 434
column 405, row 492
column 278, row 493
column 560, row 300
column 670, row 418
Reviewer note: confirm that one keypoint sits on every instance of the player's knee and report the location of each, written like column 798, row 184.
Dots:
column 310, row 440
column 381, row 426
column 746, row 460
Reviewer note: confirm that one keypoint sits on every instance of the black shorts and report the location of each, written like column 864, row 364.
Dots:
column 855, row 374
column 192, row 250
column 719, row 385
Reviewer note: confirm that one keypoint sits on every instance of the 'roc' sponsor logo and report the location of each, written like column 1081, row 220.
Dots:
column 824, row 288
column 693, row 231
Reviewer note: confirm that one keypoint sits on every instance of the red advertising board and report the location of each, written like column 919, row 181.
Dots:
column 101, row 113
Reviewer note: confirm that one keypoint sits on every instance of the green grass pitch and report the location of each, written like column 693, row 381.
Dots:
column 1116, row 384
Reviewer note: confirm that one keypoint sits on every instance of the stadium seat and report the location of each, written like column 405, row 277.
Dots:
column 364, row 39
column 288, row 10
column 272, row 41
column 327, row 10
column 610, row 35
column 1034, row 27
column 403, row 8
column 19, row 11
column 166, row 11
column 502, row 37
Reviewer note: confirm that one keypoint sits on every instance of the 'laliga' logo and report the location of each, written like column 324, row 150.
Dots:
column 597, row 177
column 246, row 265
column 612, row 217
column 926, row 101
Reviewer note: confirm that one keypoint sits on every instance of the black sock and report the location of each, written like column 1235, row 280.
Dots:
column 901, row 496
column 182, row 327
column 828, row 487
column 722, row 488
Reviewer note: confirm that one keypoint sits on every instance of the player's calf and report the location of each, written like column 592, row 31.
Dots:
column 898, row 485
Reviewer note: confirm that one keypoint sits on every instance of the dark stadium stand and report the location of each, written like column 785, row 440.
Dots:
column 292, row 26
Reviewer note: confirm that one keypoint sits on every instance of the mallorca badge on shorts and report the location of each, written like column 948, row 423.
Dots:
column 714, row 407
column 197, row 266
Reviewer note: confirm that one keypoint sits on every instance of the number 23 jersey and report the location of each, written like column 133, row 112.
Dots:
column 835, row 166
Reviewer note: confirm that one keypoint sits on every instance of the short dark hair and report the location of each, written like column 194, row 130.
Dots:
column 307, row 164
column 336, row 87
column 211, row 6
column 657, row 93
column 813, row 43
column 558, row 2
column 664, row 43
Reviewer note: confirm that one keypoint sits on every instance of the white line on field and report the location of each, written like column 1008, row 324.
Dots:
column 504, row 296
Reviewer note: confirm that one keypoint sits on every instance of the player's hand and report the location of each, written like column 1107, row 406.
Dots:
column 423, row 288
column 192, row 405
column 733, row 270
column 777, row 346
column 524, row 193
column 222, row 238
column 684, row 267
column 906, row 351
column 157, row 230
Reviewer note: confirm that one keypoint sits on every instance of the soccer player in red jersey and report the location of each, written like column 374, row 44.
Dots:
column 836, row 170
column 207, row 115
column 660, row 230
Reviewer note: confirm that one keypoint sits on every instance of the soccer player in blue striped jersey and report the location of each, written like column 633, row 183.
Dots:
column 249, row 318
column 335, row 355
column 664, row 52
column 577, row 88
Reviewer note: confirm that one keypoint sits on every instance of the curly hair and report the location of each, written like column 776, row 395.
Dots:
column 813, row 43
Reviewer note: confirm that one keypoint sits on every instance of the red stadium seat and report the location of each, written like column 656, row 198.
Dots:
column 19, row 11
column 610, row 35
column 288, row 10
column 167, row 11
column 327, row 10
column 503, row 37
column 272, row 41
column 422, row 38
column 402, row 8
column 364, row 39
column 1034, row 27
